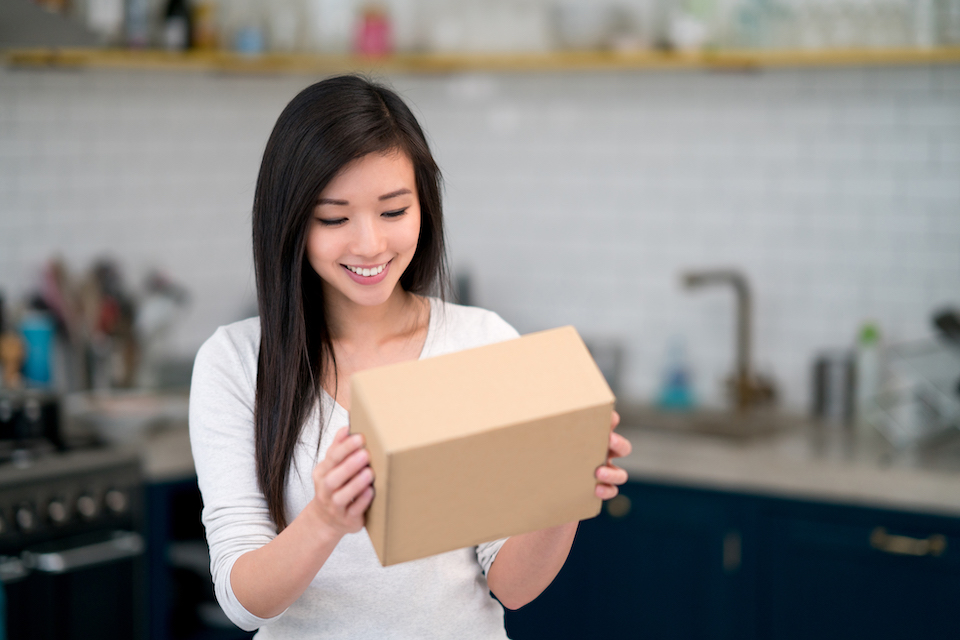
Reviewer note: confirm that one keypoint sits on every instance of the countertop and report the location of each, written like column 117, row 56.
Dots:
column 806, row 461
column 166, row 454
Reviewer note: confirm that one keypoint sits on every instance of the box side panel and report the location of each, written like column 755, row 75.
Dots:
column 499, row 483
column 375, row 519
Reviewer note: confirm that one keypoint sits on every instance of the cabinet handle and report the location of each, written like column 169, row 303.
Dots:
column 123, row 544
column 935, row 545
column 732, row 551
column 12, row 570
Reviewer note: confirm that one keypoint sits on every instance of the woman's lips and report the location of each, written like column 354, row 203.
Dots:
column 371, row 279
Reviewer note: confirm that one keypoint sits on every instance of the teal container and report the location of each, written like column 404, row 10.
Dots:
column 38, row 332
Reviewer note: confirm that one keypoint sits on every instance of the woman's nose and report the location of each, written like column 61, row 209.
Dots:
column 369, row 239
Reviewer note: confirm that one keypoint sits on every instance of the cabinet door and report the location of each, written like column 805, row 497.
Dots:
column 182, row 604
column 658, row 562
column 843, row 572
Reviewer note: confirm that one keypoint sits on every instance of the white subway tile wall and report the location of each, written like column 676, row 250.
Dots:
column 570, row 198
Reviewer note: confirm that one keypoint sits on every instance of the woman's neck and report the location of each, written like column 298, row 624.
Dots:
column 354, row 324
column 365, row 337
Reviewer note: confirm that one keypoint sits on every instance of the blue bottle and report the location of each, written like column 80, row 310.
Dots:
column 38, row 333
column 676, row 393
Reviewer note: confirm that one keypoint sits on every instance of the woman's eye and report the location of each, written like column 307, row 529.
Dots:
column 394, row 214
column 331, row 222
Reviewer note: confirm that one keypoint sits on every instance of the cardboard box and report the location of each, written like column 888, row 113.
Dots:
column 482, row 444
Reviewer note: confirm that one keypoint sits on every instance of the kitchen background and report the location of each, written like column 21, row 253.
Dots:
column 594, row 153
column 574, row 197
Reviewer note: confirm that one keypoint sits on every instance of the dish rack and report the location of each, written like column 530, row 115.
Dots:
column 921, row 398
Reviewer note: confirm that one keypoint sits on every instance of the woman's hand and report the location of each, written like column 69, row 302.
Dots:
column 343, row 483
column 610, row 476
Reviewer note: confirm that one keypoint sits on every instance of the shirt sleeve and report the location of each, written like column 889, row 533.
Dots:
column 487, row 553
column 235, row 514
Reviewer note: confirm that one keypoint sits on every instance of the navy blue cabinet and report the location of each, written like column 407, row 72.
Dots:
column 181, row 591
column 843, row 572
column 658, row 562
column 683, row 563
column 671, row 563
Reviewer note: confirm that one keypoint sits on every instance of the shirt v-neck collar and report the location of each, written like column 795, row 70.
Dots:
column 339, row 410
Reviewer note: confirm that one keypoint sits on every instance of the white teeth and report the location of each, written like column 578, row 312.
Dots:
column 367, row 272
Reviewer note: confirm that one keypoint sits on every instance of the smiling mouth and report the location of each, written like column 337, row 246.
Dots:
column 367, row 272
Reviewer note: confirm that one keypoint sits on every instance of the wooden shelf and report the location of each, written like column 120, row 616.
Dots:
column 275, row 63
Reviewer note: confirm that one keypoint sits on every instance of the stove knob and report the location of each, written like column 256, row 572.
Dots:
column 87, row 506
column 57, row 512
column 26, row 518
column 6, row 410
column 116, row 501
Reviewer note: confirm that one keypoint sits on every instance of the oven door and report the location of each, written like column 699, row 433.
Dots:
column 13, row 598
column 88, row 586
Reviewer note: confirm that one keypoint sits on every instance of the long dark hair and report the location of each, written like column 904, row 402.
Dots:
column 325, row 127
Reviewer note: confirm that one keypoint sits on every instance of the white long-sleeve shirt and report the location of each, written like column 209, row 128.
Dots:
column 352, row 596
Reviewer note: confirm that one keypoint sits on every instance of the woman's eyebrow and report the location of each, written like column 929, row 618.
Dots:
column 394, row 194
column 386, row 196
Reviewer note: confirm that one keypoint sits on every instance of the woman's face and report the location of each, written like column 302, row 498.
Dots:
column 365, row 229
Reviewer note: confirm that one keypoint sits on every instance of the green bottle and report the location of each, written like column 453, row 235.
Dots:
column 869, row 373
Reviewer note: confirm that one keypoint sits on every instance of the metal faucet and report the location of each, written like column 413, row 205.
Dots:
column 747, row 389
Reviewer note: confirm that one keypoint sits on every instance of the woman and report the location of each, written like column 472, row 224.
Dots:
column 348, row 240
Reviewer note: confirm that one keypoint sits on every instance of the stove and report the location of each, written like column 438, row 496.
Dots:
column 72, row 560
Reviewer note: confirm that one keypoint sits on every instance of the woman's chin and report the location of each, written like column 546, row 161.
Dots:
column 371, row 296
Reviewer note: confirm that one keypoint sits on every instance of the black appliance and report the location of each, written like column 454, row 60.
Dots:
column 72, row 551
column 29, row 423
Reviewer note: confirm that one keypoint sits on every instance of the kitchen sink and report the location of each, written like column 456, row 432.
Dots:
column 728, row 424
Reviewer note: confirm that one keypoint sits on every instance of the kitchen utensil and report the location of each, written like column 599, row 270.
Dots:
column 834, row 379
column 120, row 417
column 920, row 403
column 948, row 323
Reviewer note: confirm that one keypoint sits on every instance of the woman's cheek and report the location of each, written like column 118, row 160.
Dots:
column 413, row 230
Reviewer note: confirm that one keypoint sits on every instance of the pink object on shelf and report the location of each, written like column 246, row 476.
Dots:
column 373, row 34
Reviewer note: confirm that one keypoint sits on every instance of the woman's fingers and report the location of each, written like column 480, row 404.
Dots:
column 609, row 476
column 348, row 468
column 619, row 446
column 360, row 504
column 606, row 491
column 349, row 492
column 343, row 482
column 342, row 446
column 327, row 463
